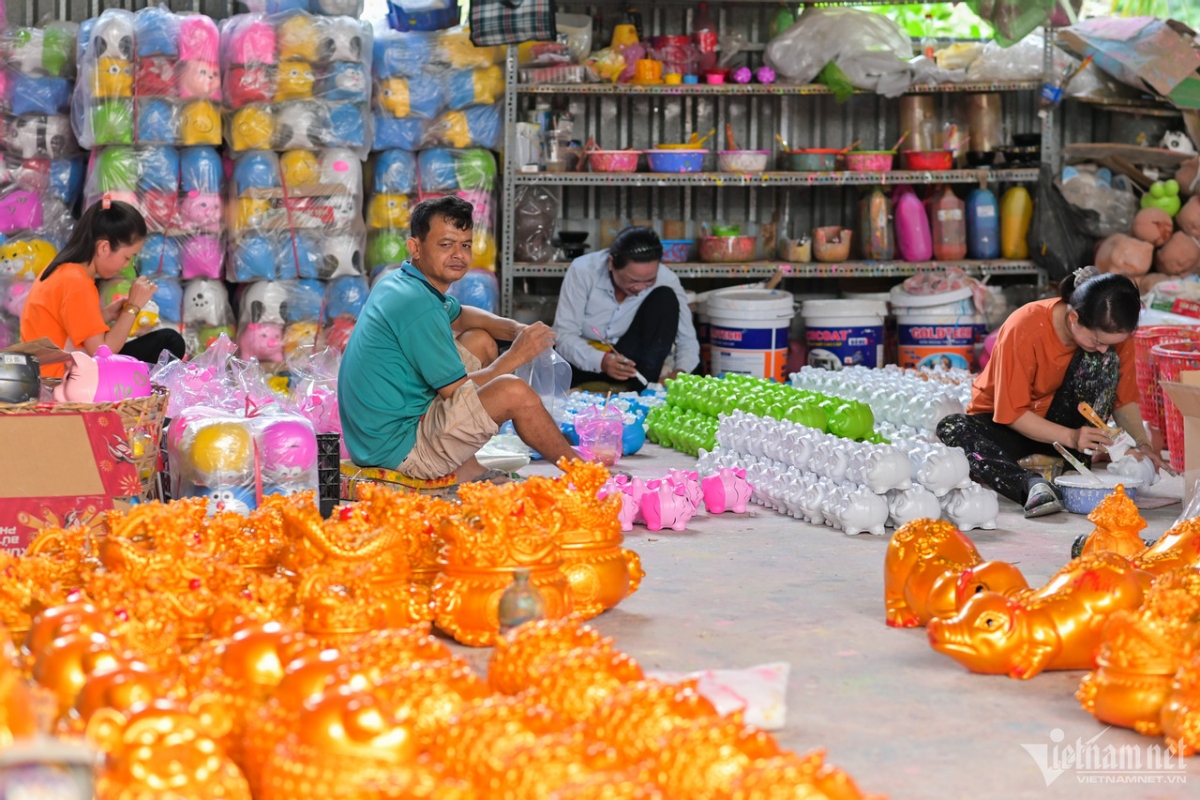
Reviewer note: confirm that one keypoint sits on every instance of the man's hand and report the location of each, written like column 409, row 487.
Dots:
column 531, row 341
column 618, row 366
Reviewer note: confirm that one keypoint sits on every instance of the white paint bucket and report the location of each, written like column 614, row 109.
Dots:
column 844, row 333
column 937, row 329
column 748, row 332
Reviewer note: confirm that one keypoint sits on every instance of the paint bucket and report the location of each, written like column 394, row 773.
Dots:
column 890, row 342
column 844, row 333
column 937, row 329
column 748, row 332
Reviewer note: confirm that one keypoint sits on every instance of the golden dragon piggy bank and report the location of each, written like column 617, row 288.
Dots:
column 1141, row 653
column 1181, row 712
column 1177, row 548
column 921, row 573
column 1059, row 626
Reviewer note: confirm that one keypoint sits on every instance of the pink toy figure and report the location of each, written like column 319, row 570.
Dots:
column 198, row 39
column 107, row 378
column 666, row 506
column 635, row 488
column 261, row 340
column 629, row 509
column 727, row 490
column 201, row 257
column 252, row 42
column 201, row 211
column 690, row 481
column 15, row 296
column 289, row 449
column 200, row 79
column 20, row 210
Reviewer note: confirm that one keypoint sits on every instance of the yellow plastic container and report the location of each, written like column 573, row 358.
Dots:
column 1016, row 214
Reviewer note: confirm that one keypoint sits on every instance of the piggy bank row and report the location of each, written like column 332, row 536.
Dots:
column 295, row 190
column 176, row 190
column 300, row 125
column 428, row 95
column 392, row 210
column 295, row 80
column 45, row 52
column 234, row 460
column 474, row 126
column 300, row 254
column 388, row 245
column 149, row 120
column 434, row 170
column 411, row 54
column 293, row 37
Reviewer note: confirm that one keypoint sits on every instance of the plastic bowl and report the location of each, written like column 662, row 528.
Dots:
column 928, row 159
column 613, row 160
column 676, row 251
column 814, row 160
column 743, row 160
column 1080, row 496
column 676, row 160
column 721, row 249
column 870, row 160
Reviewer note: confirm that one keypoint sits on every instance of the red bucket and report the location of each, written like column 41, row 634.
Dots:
column 1172, row 359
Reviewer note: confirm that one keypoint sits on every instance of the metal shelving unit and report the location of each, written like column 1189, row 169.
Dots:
column 762, row 110
column 792, row 269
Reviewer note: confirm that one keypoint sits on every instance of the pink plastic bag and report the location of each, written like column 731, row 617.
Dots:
column 600, row 431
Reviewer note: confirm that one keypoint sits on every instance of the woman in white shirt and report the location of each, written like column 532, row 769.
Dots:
column 624, row 297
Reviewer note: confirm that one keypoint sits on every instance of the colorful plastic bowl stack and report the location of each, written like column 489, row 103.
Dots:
column 677, row 251
column 613, row 160
column 676, row 160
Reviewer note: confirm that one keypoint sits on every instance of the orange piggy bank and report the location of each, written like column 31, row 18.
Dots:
column 1059, row 626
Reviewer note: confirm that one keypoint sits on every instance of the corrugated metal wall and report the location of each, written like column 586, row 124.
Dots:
column 30, row 12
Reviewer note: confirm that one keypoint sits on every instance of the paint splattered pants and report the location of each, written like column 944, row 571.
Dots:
column 993, row 450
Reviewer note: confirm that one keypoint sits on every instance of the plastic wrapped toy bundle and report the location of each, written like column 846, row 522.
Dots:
column 32, row 209
column 344, row 300
column 206, row 314
column 35, row 91
column 314, row 372
column 328, row 8
column 235, row 459
column 297, row 189
column 14, row 290
column 180, row 193
column 150, row 77
column 277, row 317
column 296, row 81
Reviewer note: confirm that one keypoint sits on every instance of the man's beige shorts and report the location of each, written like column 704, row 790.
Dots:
column 451, row 431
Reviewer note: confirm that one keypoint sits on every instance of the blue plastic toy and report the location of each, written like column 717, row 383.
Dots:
column 398, row 56
column 437, row 171
column 478, row 288
column 484, row 123
column 346, row 126
column 237, row 499
column 395, row 172
column 156, row 122
column 254, row 259
column 256, row 171
column 633, row 437
column 401, row 134
column 40, row 95
column 157, row 32
column 66, row 179
column 345, row 297
column 345, row 81
column 159, row 167
column 304, row 302
column 159, row 256
column 169, row 299
column 299, row 255
column 200, row 170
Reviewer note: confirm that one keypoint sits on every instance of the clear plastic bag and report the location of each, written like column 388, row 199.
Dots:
column 536, row 215
column 206, row 314
column 39, row 136
column 1019, row 62
column 314, row 374
column 549, row 375
column 600, row 432
column 344, row 301
column 1103, row 209
column 328, row 8
column 26, row 211
column 822, row 35
column 14, row 291
column 296, row 190
column 45, row 51
column 150, row 77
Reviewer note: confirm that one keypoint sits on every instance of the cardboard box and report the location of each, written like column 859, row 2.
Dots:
column 61, row 470
column 1185, row 394
column 1146, row 53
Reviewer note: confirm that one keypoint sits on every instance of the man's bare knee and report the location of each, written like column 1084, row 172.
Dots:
column 481, row 345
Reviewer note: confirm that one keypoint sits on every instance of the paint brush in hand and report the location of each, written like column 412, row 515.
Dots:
column 608, row 348
column 1122, row 442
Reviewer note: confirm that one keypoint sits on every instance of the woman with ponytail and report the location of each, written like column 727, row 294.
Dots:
column 64, row 304
column 1051, row 355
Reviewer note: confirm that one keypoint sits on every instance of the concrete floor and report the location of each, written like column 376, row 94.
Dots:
column 734, row 591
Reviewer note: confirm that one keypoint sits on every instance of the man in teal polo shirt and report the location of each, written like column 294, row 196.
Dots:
column 421, row 387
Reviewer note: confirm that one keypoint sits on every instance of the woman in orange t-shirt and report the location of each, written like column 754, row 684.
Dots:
column 1051, row 355
column 64, row 304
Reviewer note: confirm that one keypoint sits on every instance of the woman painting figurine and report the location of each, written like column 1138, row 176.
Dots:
column 64, row 303
column 1050, row 355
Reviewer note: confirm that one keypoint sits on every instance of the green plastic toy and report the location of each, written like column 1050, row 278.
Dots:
column 112, row 122
column 1163, row 195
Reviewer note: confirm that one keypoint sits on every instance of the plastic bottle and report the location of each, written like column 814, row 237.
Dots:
column 704, row 34
column 949, row 225
column 875, row 226
column 1016, row 213
column 783, row 19
column 928, row 41
column 914, row 241
column 983, row 225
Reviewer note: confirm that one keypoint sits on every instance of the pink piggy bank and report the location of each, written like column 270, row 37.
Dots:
column 728, row 490
column 289, row 449
column 690, row 481
column 261, row 340
column 199, row 79
column 666, row 506
column 201, row 257
column 252, row 42
column 628, row 509
column 107, row 378
column 198, row 39
column 201, row 210
column 635, row 488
